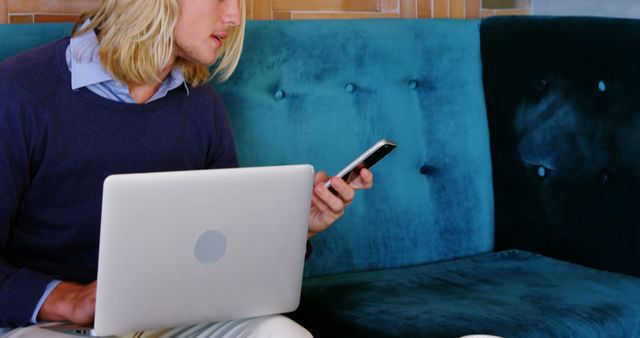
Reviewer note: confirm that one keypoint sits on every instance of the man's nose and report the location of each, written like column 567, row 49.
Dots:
column 231, row 15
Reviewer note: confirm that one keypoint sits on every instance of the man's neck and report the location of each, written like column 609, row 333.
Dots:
column 142, row 93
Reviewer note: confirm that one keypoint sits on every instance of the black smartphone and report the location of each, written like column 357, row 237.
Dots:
column 366, row 160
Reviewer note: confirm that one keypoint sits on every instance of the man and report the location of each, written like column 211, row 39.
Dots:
column 128, row 93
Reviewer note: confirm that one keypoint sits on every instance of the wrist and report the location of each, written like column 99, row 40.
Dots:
column 57, row 306
column 70, row 302
column 52, row 285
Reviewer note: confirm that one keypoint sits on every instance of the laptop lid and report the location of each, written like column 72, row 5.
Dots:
column 180, row 248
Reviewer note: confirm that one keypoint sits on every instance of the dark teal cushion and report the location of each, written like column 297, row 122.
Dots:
column 510, row 294
column 321, row 92
column 15, row 39
column 564, row 112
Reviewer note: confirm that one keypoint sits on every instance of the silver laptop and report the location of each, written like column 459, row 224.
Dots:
column 181, row 248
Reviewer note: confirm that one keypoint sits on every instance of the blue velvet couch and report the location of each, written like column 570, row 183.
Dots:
column 511, row 206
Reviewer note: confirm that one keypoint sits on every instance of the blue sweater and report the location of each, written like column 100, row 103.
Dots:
column 56, row 148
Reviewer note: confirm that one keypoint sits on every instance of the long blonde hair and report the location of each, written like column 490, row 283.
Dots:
column 136, row 41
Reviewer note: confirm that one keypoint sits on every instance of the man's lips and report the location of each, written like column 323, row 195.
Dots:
column 219, row 37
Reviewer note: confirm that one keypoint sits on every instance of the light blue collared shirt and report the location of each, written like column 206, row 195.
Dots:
column 87, row 71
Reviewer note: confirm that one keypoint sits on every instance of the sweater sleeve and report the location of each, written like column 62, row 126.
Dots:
column 222, row 148
column 21, row 136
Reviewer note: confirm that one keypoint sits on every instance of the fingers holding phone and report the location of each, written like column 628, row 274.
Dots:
column 332, row 195
column 328, row 200
column 328, row 206
column 363, row 181
column 355, row 174
column 340, row 189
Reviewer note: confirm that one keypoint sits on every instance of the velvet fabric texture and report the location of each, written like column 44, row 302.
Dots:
column 21, row 38
column 322, row 92
column 509, row 294
column 564, row 114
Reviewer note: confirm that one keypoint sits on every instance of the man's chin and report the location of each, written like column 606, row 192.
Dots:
column 205, row 61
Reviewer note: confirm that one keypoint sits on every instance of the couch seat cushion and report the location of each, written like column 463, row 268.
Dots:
column 509, row 293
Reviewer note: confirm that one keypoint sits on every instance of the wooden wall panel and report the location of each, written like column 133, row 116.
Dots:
column 261, row 10
column 472, row 9
column 51, row 6
column 30, row 11
column 389, row 5
column 40, row 18
column 456, row 9
column 440, row 8
column 249, row 9
column 4, row 12
column 408, row 8
column 339, row 9
column 327, row 5
column 338, row 15
column 331, row 9
column 26, row 18
column 493, row 12
column 425, row 8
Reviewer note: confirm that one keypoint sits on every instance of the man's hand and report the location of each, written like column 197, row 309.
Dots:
column 70, row 302
column 326, row 207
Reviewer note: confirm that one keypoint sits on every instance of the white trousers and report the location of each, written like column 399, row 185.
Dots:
column 275, row 326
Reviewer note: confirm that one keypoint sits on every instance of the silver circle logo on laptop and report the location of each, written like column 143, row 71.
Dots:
column 210, row 247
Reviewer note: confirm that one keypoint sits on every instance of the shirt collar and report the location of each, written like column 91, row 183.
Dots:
column 86, row 70
column 84, row 62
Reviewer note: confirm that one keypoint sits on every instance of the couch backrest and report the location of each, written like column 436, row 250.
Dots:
column 321, row 92
column 563, row 98
column 15, row 39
